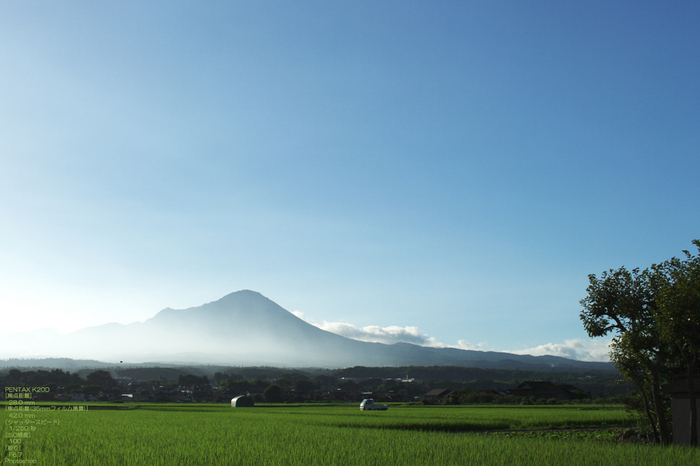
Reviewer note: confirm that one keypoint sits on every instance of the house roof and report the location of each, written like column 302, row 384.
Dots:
column 439, row 392
column 539, row 387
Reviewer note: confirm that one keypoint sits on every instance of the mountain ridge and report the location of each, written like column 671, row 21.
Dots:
column 247, row 328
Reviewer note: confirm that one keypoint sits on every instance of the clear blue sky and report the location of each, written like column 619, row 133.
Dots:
column 460, row 167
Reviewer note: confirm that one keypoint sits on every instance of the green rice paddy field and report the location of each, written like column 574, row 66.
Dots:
column 157, row 434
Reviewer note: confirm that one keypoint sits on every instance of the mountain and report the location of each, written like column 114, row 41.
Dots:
column 246, row 328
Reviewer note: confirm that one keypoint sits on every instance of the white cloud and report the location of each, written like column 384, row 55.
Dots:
column 581, row 350
column 464, row 344
column 376, row 334
column 389, row 335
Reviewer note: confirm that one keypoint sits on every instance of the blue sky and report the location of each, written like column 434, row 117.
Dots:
column 445, row 171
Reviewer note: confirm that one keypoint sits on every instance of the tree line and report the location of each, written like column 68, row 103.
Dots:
column 294, row 388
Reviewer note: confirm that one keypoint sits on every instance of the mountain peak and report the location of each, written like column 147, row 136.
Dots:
column 243, row 294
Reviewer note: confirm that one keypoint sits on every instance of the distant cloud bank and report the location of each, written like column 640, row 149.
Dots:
column 376, row 334
column 581, row 350
column 389, row 335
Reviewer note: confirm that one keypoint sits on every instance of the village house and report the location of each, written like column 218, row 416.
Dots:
column 436, row 395
column 545, row 390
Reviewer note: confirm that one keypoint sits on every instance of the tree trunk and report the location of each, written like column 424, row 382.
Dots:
column 693, row 404
column 647, row 410
column 639, row 382
column 660, row 409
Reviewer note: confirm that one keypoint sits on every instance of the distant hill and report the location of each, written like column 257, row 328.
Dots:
column 245, row 328
column 53, row 363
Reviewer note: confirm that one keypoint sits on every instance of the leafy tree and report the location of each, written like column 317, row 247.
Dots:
column 349, row 386
column 655, row 318
column 305, row 386
column 624, row 303
column 273, row 394
column 103, row 379
column 679, row 308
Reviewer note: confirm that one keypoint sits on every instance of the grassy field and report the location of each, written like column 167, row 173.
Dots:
column 326, row 435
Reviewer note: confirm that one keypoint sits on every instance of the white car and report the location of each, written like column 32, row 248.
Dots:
column 368, row 405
